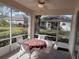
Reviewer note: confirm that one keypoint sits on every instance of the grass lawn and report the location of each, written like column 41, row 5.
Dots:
column 5, row 31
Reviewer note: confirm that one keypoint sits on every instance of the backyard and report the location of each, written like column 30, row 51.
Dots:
column 5, row 31
column 63, row 36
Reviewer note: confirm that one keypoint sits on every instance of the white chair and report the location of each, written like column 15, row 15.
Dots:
column 48, row 42
column 19, row 39
column 23, row 48
column 55, row 46
column 41, row 36
column 35, row 54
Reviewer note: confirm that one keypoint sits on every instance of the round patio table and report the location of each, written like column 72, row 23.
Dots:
column 35, row 43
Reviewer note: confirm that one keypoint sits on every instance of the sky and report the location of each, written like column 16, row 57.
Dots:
column 7, row 11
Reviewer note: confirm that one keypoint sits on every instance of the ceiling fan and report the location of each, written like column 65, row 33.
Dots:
column 41, row 3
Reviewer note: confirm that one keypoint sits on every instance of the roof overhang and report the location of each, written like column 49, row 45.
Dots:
column 56, row 8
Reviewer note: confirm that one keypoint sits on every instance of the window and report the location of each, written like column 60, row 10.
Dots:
column 4, row 24
column 56, row 27
column 64, row 31
column 19, row 23
column 13, row 22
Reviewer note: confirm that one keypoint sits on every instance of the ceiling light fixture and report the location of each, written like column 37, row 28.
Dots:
column 41, row 3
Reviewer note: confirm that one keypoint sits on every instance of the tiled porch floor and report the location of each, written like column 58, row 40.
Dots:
column 43, row 54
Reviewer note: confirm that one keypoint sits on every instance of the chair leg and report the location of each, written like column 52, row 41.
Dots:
column 20, row 53
column 29, row 55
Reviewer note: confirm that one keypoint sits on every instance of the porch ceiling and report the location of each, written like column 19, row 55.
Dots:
column 51, row 6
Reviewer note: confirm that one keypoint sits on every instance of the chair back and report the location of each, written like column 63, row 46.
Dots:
column 55, row 46
column 19, row 39
column 41, row 36
column 25, row 48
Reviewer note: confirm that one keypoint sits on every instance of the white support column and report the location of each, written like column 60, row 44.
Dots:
column 73, row 34
column 10, row 28
column 57, row 33
column 31, row 25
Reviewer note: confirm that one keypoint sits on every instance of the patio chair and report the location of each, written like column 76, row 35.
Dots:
column 55, row 46
column 19, row 39
column 35, row 53
column 50, row 44
column 23, row 48
column 41, row 36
